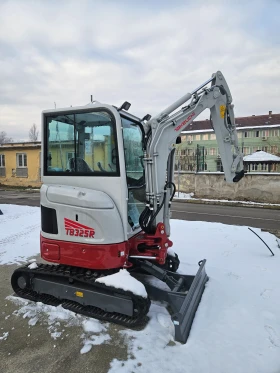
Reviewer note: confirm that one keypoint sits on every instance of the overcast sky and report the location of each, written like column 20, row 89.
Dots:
column 146, row 52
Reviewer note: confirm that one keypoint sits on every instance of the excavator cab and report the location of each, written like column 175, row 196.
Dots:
column 93, row 176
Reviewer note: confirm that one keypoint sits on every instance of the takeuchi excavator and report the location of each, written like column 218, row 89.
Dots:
column 105, row 208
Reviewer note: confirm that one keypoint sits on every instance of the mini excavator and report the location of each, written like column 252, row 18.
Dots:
column 105, row 206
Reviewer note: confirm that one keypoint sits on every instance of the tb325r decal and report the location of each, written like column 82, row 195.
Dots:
column 73, row 228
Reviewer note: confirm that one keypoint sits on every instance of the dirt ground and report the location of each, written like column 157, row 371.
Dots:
column 31, row 349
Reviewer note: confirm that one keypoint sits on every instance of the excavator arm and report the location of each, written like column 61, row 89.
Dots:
column 161, row 133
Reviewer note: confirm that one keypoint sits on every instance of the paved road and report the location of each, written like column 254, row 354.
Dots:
column 255, row 217
column 15, row 197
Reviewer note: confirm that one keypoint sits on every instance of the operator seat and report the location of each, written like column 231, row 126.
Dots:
column 82, row 165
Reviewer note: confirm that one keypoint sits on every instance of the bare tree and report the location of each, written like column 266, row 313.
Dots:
column 33, row 133
column 4, row 138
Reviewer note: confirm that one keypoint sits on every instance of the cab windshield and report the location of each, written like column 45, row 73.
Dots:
column 81, row 143
column 133, row 151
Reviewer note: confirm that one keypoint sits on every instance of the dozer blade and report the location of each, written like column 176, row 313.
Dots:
column 183, row 297
column 183, row 319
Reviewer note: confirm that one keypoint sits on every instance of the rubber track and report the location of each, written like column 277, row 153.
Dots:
column 140, row 304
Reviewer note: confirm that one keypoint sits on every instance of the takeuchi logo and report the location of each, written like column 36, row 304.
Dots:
column 185, row 121
column 73, row 228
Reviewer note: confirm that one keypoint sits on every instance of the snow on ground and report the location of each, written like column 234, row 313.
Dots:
column 237, row 325
column 19, row 233
column 182, row 195
column 236, row 328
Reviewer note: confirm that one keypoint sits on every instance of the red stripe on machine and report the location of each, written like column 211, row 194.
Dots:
column 73, row 228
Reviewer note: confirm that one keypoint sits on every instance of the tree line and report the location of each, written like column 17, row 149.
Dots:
column 33, row 135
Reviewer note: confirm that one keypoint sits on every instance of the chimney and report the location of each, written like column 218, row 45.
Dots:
column 270, row 112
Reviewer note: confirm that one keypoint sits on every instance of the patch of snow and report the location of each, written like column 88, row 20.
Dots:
column 4, row 336
column 183, row 195
column 87, row 347
column 171, row 252
column 19, row 233
column 33, row 265
column 56, row 335
column 190, row 196
column 93, row 326
column 93, row 341
column 123, row 280
column 33, row 321
column 243, row 202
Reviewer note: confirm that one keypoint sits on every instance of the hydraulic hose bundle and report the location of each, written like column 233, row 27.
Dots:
column 148, row 215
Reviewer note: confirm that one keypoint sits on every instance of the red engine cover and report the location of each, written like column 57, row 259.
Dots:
column 84, row 255
column 107, row 256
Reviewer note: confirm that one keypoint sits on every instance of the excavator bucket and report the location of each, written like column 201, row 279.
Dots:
column 183, row 296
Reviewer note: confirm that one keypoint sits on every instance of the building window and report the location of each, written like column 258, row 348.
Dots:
column 275, row 133
column 265, row 133
column 190, row 152
column 264, row 148
column 2, row 165
column 220, row 166
column 212, row 151
column 254, row 167
column 2, row 160
column 205, row 136
column 264, row 167
column 183, row 152
column 71, row 155
column 246, row 150
column 274, row 149
column 212, row 136
column 257, row 133
column 21, row 160
column 246, row 134
column 197, row 137
column 21, row 170
column 205, row 166
column 190, row 138
column 239, row 135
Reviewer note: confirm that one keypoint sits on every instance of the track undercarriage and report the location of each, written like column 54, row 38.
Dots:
column 76, row 289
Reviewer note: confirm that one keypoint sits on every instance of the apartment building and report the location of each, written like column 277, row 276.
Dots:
column 199, row 150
